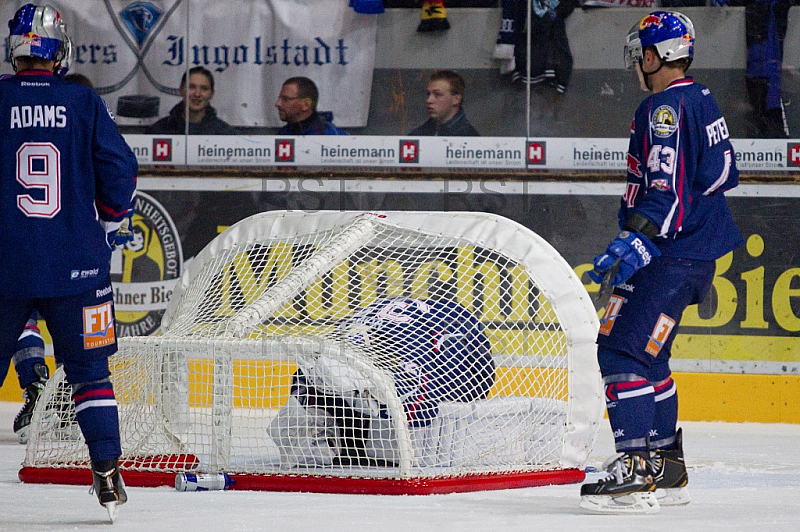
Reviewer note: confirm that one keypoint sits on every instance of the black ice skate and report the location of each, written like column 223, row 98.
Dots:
column 627, row 487
column 22, row 421
column 107, row 484
column 669, row 472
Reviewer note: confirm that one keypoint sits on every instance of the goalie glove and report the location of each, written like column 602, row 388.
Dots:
column 634, row 251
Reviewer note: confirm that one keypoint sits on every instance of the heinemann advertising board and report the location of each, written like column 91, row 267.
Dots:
column 478, row 153
column 737, row 356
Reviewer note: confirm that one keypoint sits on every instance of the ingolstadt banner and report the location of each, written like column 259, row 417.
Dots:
column 138, row 51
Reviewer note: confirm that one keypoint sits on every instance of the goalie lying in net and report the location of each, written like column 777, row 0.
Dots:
column 434, row 351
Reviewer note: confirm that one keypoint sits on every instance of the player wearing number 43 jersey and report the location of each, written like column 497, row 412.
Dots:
column 675, row 223
column 67, row 180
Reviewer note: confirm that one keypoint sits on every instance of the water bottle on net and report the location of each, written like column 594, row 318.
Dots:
column 203, row 481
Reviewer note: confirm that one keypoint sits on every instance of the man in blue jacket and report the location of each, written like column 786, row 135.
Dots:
column 297, row 106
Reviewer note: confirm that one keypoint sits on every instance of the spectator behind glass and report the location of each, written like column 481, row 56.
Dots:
column 765, row 25
column 203, row 119
column 445, row 96
column 297, row 106
column 551, row 57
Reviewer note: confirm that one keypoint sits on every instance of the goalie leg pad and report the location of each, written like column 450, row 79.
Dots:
column 305, row 436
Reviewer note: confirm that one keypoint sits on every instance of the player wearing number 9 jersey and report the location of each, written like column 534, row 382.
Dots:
column 67, row 179
column 675, row 223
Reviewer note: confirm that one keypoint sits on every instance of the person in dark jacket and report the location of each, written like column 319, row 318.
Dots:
column 551, row 57
column 445, row 96
column 297, row 106
column 203, row 119
column 765, row 24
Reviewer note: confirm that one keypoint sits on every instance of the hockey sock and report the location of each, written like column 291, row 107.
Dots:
column 666, row 414
column 29, row 353
column 96, row 411
column 434, row 16
column 630, row 405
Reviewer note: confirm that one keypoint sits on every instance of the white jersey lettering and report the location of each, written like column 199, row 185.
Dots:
column 38, row 116
column 717, row 131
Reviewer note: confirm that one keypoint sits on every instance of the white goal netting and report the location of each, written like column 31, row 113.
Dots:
column 345, row 346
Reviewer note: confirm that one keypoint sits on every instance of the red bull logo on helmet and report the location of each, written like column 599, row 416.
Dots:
column 32, row 39
column 650, row 20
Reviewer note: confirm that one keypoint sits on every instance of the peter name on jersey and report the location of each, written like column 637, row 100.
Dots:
column 38, row 116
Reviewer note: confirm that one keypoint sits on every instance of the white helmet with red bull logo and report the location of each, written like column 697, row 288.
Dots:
column 670, row 32
column 39, row 31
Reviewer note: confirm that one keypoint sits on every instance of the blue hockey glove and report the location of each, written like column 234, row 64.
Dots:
column 124, row 234
column 633, row 249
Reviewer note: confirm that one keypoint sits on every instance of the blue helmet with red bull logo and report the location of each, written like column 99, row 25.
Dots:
column 39, row 31
column 670, row 32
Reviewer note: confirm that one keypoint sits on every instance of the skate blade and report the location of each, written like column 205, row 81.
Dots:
column 673, row 497
column 112, row 510
column 632, row 503
column 23, row 434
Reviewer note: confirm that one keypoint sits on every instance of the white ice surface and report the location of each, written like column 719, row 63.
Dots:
column 741, row 477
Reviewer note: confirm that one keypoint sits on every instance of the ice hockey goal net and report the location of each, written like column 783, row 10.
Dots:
column 212, row 391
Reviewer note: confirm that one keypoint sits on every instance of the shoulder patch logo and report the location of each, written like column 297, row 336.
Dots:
column 664, row 121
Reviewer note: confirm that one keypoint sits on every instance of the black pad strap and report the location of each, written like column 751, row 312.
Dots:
column 637, row 222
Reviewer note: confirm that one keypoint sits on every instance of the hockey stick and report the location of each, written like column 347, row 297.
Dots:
column 606, row 288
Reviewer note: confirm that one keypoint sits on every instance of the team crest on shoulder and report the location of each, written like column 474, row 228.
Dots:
column 664, row 121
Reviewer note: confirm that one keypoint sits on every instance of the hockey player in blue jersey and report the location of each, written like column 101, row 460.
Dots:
column 675, row 223
column 67, row 180
column 435, row 350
